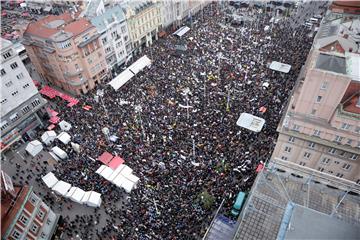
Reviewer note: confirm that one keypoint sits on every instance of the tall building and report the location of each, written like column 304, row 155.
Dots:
column 23, row 214
column 66, row 52
column 114, row 35
column 173, row 12
column 321, row 126
column 144, row 22
column 288, row 201
column 22, row 107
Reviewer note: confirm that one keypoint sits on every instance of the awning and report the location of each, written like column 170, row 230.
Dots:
column 280, row 67
column 48, row 137
column 59, row 152
column 250, row 122
column 115, row 162
column 181, row 31
column 61, row 187
column 34, row 147
column 140, row 64
column 77, row 195
column 92, row 199
column 105, row 157
column 50, row 180
column 121, row 79
column 65, row 126
column 64, row 137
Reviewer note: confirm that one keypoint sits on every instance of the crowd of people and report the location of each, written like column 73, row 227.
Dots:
column 176, row 126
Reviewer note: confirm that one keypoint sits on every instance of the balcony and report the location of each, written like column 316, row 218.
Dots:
column 76, row 82
column 73, row 74
column 86, row 42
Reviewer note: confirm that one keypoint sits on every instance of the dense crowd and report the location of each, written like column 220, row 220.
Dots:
column 176, row 123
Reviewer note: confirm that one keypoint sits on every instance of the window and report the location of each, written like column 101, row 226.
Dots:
column 284, row 158
column 349, row 142
column 321, row 169
column 318, row 99
column 20, row 76
column 42, row 235
column 302, row 164
column 23, row 219
column 324, row 85
column 311, row 145
column 317, row 133
column 36, row 102
column 357, row 129
column 76, row 66
column 33, row 199
column 307, row 155
column 25, row 109
column 345, row 126
column 325, row 160
column 8, row 84
column 313, row 112
column 3, row 72
column 14, row 93
column 339, row 175
column 26, row 86
column 288, row 149
column 341, row 153
column 291, row 139
column 336, row 162
column 354, row 157
column 14, row 117
column 296, row 127
column 89, row 60
column 332, row 150
column 346, row 166
column 34, row 228
column 3, row 101
column 358, row 181
column 15, row 234
column 338, row 139
column 123, row 29
column 4, row 125
column 41, row 214
column 7, row 54
column 104, row 41
column 14, row 65
column 331, row 172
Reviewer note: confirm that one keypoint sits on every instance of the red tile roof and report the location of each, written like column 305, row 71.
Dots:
column 78, row 27
column 350, row 106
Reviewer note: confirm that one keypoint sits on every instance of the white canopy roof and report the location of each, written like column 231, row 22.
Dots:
column 127, row 185
column 65, row 126
column 181, row 31
column 133, row 178
column 121, row 79
column 106, row 172
column 50, row 180
column 48, row 137
column 92, row 199
column 280, row 67
column 118, row 180
column 100, row 169
column 70, row 192
column 64, row 137
column 116, row 172
column 34, row 147
column 59, row 152
column 140, row 64
column 250, row 122
column 77, row 195
column 61, row 188
column 126, row 171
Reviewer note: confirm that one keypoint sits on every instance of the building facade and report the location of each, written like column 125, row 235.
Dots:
column 114, row 36
column 23, row 214
column 22, row 107
column 321, row 126
column 66, row 52
column 144, row 22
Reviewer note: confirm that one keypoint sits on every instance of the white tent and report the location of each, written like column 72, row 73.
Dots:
column 75, row 146
column 64, row 137
column 126, row 171
column 100, row 169
column 34, row 147
column 133, row 178
column 92, row 199
column 181, row 31
column 140, row 64
column 70, row 192
column 65, row 126
column 48, row 137
column 250, row 122
column 106, row 172
column 59, row 152
column 280, row 67
column 121, row 79
column 50, row 180
column 127, row 185
column 119, row 180
column 116, row 172
column 77, row 195
column 61, row 188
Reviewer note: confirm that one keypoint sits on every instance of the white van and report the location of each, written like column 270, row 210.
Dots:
column 314, row 20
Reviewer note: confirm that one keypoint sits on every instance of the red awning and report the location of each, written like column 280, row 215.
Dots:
column 51, row 127
column 259, row 167
column 87, row 107
column 116, row 162
column 105, row 157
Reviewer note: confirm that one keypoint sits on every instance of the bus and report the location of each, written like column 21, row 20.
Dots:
column 240, row 199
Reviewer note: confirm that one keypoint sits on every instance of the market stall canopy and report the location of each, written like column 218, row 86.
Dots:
column 61, row 188
column 127, row 185
column 140, row 64
column 48, row 137
column 50, row 180
column 116, row 172
column 106, row 172
column 250, row 122
column 64, row 137
column 121, row 79
column 92, row 199
column 59, row 152
column 105, row 157
column 280, row 67
column 181, row 31
column 115, row 162
column 34, row 147
column 77, row 195
column 70, row 192
column 64, row 125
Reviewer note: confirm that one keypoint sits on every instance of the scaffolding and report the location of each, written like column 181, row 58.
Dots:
column 283, row 184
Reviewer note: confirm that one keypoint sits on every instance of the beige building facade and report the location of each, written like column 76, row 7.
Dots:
column 66, row 52
column 321, row 126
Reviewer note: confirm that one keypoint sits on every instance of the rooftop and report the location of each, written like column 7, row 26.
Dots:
column 113, row 14
column 331, row 63
column 353, row 104
column 322, row 197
